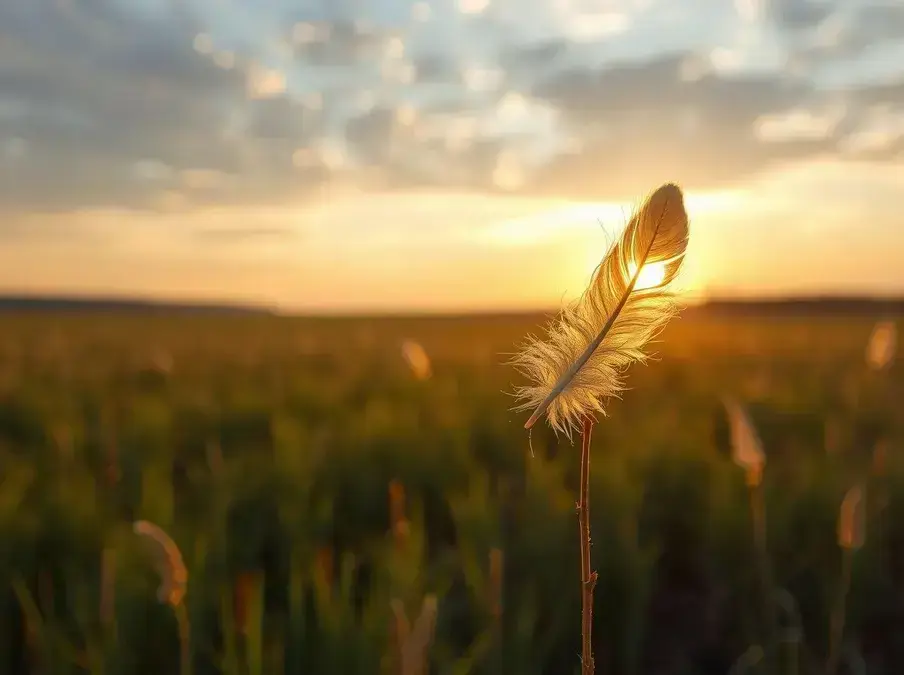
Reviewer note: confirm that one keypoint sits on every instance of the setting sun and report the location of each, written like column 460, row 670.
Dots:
column 650, row 276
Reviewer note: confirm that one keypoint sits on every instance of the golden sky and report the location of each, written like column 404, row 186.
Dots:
column 800, row 229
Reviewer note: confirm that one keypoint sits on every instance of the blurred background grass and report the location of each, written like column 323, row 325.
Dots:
column 310, row 478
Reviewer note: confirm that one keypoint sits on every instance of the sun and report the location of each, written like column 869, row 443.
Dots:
column 651, row 276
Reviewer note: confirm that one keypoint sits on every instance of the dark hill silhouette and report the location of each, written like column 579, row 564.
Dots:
column 794, row 306
column 26, row 303
column 802, row 306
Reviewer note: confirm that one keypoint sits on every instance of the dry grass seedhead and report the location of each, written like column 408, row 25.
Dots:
column 417, row 359
column 882, row 346
column 396, row 502
column 398, row 519
column 851, row 536
column 413, row 641
column 852, row 519
column 746, row 447
column 595, row 339
column 425, row 624
column 169, row 564
column 754, row 475
column 400, row 618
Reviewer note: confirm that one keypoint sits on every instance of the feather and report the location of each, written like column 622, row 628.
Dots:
column 594, row 339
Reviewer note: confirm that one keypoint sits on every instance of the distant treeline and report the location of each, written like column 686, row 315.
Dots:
column 12, row 303
column 846, row 306
column 827, row 305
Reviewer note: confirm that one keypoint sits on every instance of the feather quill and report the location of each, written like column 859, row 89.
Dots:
column 594, row 339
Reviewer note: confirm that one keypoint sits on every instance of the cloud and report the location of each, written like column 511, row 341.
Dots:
column 824, row 35
column 171, row 105
column 612, row 132
column 643, row 123
column 98, row 92
column 340, row 42
column 241, row 236
column 800, row 14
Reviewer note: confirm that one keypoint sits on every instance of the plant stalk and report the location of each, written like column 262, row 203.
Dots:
column 588, row 577
column 182, row 621
column 836, row 629
column 758, row 516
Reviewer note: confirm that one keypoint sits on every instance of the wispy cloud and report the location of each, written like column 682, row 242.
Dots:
column 493, row 95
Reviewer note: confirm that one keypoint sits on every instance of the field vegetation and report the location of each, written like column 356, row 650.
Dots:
column 343, row 505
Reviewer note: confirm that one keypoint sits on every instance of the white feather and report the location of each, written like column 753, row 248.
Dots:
column 595, row 339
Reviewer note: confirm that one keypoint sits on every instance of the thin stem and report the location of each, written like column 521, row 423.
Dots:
column 588, row 577
column 791, row 632
column 836, row 629
column 758, row 516
column 184, row 639
column 108, row 588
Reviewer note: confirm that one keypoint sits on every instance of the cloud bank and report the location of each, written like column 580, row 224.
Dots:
column 167, row 105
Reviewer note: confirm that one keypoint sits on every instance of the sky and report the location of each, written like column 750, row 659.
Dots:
column 349, row 155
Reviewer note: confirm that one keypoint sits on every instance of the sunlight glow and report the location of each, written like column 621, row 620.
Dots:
column 650, row 276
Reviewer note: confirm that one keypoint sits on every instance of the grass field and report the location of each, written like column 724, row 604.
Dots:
column 310, row 480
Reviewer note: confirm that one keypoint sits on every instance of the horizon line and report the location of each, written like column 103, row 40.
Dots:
column 34, row 302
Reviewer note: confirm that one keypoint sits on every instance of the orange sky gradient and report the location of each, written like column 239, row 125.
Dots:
column 792, row 231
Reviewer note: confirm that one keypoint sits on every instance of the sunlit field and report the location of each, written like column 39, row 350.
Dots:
column 345, row 506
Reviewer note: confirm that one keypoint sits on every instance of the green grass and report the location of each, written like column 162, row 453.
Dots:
column 292, row 565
